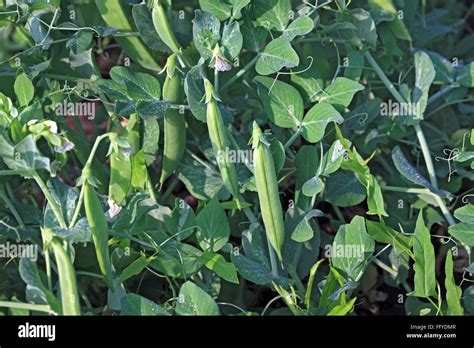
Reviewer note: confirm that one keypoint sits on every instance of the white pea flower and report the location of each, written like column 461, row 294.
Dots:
column 114, row 208
column 53, row 126
column 65, row 147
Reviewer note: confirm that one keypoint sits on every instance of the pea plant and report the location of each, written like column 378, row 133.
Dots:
column 236, row 157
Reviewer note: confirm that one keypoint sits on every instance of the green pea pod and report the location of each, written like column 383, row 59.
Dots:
column 120, row 176
column 220, row 143
column 163, row 27
column 115, row 15
column 174, row 122
column 67, row 279
column 100, row 231
column 267, row 188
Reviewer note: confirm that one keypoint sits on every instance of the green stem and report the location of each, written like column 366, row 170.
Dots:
column 77, row 210
column 241, row 72
column 293, row 138
column 28, row 306
column 298, row 282
column 15, row 172
column 149, row 187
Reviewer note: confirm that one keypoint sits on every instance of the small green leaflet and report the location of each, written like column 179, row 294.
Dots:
column 317, row 118
column 272, row 14
column 410, row 173
column 213, row 228
column 133, row 304
column 218, row 264
column 340, row 92
column 465, row 214
column 303, row 231
column 193, row 300
column 464, row 232
column 425, row 278
column 300, row 26
column 24, row 89
column 424, row 76
column 282, row 102
column 206, row 33
column 351, row 249
column 453, row 292
column 277, row 54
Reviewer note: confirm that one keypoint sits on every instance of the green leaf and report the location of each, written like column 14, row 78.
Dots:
column 23, row 156
column 120, row 176
column 254, row 37
column 313, row 186
column 139, row 85
column 342, row 309
column 238, row 6
column 351, row 249
column 180, row 223
column 277, row 54
column 453, row 292
column 425, row 278
column 194, row 89
column 303, row 231
column 384, row 234
column 300, row 26
column 232, row 40
column 344, row 190
column 135, row 268
column 254, row 271
column 468, row 299
column 272, row 14
column 213, row 228
column 306, row 166
column 282, row 103
column 465, row 214
column 466, row 75
column 365, row 27
column 218, row 264
column 464, row 232
column 424, row 76
column 80, row 42
column 192, row 300
column 410, row 173
column 144, row 22
column 316, row 120
column 206, row 33
column 133, row 304
column 24, row 89
column 30, row 275
column 151, row 137
column 340, row 92
column 221, row 9
column 203, row 182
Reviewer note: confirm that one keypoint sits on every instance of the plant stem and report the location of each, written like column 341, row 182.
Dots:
column 77, row 210
column 28, row 306
column 15, row 172
column 298, row 282
column 442, row 92
column 293, row 138
column 240, row 72
column 408, row 190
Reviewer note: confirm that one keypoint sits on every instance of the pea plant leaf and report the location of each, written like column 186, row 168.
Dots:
column 193, row 300
column 24, row 89
column 425, row 279
column 317, row 118
column 278, row 54
column 272, row 14
column 424, row 76
column 281, row 101
column 206, row 33
column 299, row 27
column 213, row 228
column 351, row 249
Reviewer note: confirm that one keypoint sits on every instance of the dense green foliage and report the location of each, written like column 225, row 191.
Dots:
column 236, row 157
